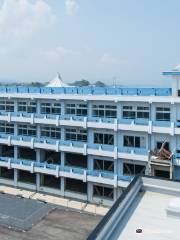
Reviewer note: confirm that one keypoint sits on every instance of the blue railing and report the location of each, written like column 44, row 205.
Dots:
column 76, row 170
column 162, row 123
column 90, row 90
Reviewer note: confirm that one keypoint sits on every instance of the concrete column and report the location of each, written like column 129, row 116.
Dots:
column 38, row 131
column 15, row 152
column 89, row 191
column 89, row 112
column 62, row 159
column 62, row 185
column 63, row 108
column 173, row 113
column 38, row 107
column 62, row 133
column 15, row 129
column 38, row 181
column 115, row 166
column 119, row 166
column 15, row 105
column 119, row 110
column 15, row 177
column 38, row 155
column 90, row 137
column 90, row 162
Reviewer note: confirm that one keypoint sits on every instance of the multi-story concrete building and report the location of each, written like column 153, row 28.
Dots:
column 88, row 142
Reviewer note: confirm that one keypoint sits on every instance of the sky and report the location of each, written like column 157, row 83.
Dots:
column 126, row 42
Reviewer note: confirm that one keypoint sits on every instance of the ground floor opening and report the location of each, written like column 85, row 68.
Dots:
column 26, row 177
column 50, row 181
column 75, row 185
column 7, row 173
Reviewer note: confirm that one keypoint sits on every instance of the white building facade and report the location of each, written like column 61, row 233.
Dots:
column 87, row 143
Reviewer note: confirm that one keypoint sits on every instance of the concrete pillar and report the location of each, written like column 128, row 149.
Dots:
column 119, row 110
column 38, row 108
column 62, row 159
column 90, row 136
column 173, row 113
column 90, row 162
column 89, row 191
column 115, row 166
column 38, row 181
column 63, row 137
column 38, row 155
column 38, row 131
column 15, row 177
column 15, row 152
column 89, row 112
column 62, row 185
column 15, row 129
column 15, row 105
column 63, row 108
column 119, row 166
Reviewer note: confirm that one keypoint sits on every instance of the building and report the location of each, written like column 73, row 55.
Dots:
column 88, row 142
column 148, row 209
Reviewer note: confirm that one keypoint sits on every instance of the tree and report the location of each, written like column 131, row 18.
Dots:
column 81, row 83
column 99, row 84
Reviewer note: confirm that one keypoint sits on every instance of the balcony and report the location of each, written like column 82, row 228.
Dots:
column 66, row 171
column 141, row 154
column 176, row 159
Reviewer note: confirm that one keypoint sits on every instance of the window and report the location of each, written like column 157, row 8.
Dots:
column 133, row 169
column 51, row 132
column 128, row 112
column 103, row 165
column 29, row 107
column 76, row 109
column 143, row 112
column 7, row 106
column 103, row 192
column 104, row 111
column 160, row 144
column 163, row 114
column 27, row 130
column 134, row 141
column 133, row 112
column 104, row 138
column 51, row 108
column 7, row 128
column 74, row 134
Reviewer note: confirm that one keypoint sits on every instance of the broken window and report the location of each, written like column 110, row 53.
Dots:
column 26, row 177
column 76, row 160
column 7, row 151
column 133, row 169
column 104, row 111
column 103, row 192
column 52, row 157
column 134, row 141
column 74, row 134
column 51, row 132
column 26, row 153
column 75, row 185
column 104, row 138
column 6, row 173
column 50, row 181
column 7, row 128
column 103, row 165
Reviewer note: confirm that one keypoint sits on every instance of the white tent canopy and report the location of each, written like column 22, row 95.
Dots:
column 57, row 82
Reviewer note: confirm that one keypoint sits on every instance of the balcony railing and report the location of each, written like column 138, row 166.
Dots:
column 66, row 169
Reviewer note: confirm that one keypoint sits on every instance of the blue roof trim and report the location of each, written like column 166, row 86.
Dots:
column 171, row 73
column 90, row 91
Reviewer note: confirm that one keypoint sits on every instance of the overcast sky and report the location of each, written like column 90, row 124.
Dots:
column 122, row 41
